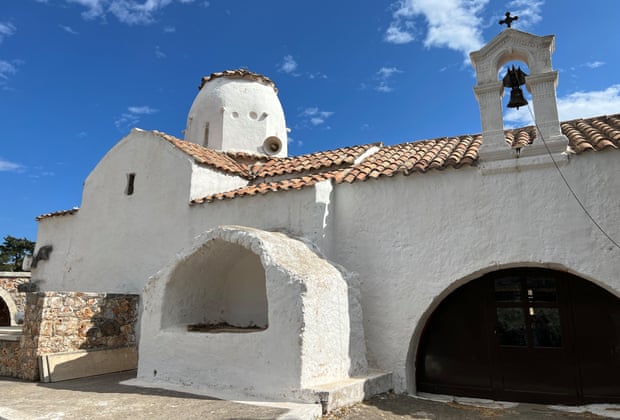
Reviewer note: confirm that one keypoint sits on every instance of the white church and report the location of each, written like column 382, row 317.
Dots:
column 481, row 265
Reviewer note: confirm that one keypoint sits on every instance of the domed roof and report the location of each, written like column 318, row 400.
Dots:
column 238, row 111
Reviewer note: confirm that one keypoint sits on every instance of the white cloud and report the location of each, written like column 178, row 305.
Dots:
column 159, row 53
column 8, row 166
column 288, row 64
column 315, row 116
column 6, row 69
column 6, row 29
column 142, row 110
column 383, row 75
column 132, row 117
column 576, row 105
column 68, row 29
column 529, row 12
column 387, row 72
column 170, row 29
column 396, row 34
column 595, row 64
column 132, row 12
column 317, row 75
column 454, row 24
column 384, row 87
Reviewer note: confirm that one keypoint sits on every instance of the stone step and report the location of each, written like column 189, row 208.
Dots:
column 349, row 391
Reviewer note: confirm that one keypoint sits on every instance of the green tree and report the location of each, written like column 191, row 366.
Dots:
column 13, row 251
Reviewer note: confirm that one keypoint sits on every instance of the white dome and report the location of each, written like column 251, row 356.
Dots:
column 238, row 111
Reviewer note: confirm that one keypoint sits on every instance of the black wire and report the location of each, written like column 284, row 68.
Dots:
column 568, row 185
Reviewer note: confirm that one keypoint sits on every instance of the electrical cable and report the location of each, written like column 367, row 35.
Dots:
column 583, row 207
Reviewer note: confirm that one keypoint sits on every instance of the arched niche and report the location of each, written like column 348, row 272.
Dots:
column 220, row 287
column 285, row 318
column 10, row 307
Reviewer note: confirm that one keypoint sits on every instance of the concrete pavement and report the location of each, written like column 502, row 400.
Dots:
column 117, row 396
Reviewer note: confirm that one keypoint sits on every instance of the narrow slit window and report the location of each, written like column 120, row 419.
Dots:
column 206, row 142
column 130, row 184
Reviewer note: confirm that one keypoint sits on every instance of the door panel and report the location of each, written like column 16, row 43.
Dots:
column 533, row 338
column 456, row 356
column 597, row 327
column 524, row 334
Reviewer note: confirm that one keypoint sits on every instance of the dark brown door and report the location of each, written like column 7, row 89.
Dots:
column 524, row 335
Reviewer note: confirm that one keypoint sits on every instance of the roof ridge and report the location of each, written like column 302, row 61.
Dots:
column 205, row 156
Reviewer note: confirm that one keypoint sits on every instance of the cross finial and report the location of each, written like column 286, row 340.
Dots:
column 508, row 20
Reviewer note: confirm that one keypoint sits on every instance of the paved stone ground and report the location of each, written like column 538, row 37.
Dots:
column 104, row 397
column 403, row 407
column 110, row 397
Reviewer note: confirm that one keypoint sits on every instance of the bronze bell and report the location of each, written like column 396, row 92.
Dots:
column 516, row 98
column 513, row 79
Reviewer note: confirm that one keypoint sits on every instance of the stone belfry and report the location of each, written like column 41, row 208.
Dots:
column 535, row 51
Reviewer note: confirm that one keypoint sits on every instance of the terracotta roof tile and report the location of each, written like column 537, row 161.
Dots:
column 57, row 213
column 597, row 133
column 346, row 165
column 310, row 162
column 239, row 74
column 202, row 155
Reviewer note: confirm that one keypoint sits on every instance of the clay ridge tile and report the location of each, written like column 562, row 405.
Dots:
column 57, row 213
column 309, row 162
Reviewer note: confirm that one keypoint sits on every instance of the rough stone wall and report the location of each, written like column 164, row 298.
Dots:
column 9, row 281
column 10, row 358
column 58, row 322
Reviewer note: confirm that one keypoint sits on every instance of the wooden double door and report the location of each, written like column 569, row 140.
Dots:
column 526, row 334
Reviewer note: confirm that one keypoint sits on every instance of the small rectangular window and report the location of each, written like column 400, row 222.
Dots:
column 130, row 184
column 206, row 143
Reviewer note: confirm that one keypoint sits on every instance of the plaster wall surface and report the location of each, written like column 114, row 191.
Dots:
column 206, row 181
column 415, row 239
column 115, row 238
column 115, row 242
column 307, row 339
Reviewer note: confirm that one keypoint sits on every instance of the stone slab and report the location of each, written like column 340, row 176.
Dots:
column 80, row 364
column 349, row 391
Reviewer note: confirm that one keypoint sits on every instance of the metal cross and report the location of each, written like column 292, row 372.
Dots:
column 508, row 21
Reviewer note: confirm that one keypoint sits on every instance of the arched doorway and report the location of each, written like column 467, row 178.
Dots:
column 5, row 314
column 524, row 334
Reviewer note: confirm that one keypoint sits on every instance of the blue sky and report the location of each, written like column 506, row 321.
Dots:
column 76, row 75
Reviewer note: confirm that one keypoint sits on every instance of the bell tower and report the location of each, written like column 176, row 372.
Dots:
column 535, row 51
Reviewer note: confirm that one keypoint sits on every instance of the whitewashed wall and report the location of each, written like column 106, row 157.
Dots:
column 412, row 240
column 115, row 242
column 415, row 239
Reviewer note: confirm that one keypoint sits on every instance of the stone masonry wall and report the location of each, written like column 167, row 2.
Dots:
column 10, row 354
column 9, row 282
column 58, row 322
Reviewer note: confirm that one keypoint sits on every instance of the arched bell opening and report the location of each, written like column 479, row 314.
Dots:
column 523, row 334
